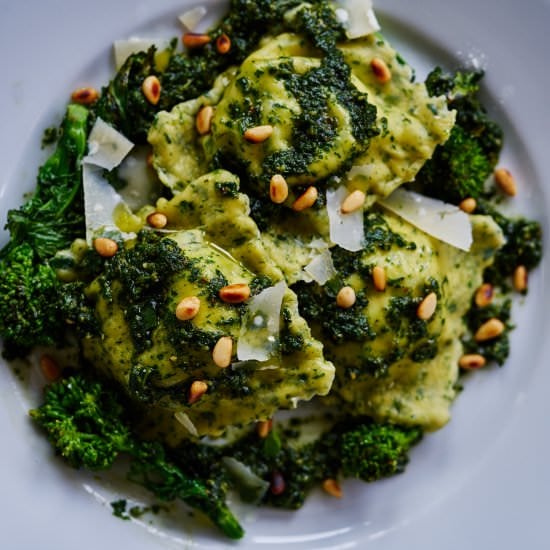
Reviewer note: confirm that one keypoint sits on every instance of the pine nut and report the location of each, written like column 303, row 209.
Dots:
column 49, row 367
column 258, row 134
column 468, row 205
column 380, row 70
column 332, row 487
column 188, row 308
column 105, row 247
column 520, row 278
column 85, row 96
column 346, row 297
column 427, row 307
column 506, row 181
column 278, row 485
column 222, row 352
column 204, row 118
column 196, row 391
column 306, row 199
column 278, row 189
column 264, row 427
column 484, row 295
column 157, row 220
column 194, row 40
column 489, row 330
column 223, row 44
column 353, row 202
column 379, row 278
column 151, row 89
column 472, row 361
column 235, row 294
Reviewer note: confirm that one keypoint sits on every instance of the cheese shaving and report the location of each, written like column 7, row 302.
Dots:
column 185, row 421
column 357, row 17
column 439, row 219
column 191, row 18
column 321, row 268
column 106, row 147
column 259, row 336
column 123, row 49
column 346, row 230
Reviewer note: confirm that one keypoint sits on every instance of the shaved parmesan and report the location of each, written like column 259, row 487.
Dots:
column 346, row 230
column 321, row 268
column 106, row 147
column 251, row 487
column 357, row 17
column 185, row 421
column 100, row 201
column 259, row 336
column 441, row 220
column 191, row 18
column 123, row 49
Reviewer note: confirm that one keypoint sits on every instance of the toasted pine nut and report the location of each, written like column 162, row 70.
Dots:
column 263, row 427
column 490, row 329
column 427, row 307
column 158, row 220
column 85, row 96
column 379, row 278
column 306, row 199
column 204, row 118
column 196, row 391
column 520, row 278
column 278, row 189
column 222, row 352
column 472, row 361
column 484, row 295
column 151, row 89
column 105, row 247
column 380, row 70
column 353, row 202
column 258, row 134
column 468, row 205
column 236, row 293
column 332, row 487
column 223, row 44
column 150, row 159
column 194, row 40
column 506, row 181
column 278, row 484
column 188, row 308
column 50, row 368
column 346, row 297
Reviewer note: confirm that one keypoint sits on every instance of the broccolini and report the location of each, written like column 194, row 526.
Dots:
column 84, row 420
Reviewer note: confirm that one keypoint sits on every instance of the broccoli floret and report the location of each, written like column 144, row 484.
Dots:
column 373, row 451
column 26, row 313
column 460, row 167
column 84, row 420
column 83, row 423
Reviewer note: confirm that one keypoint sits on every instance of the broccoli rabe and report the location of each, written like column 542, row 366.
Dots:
column 85, row 422
column 49, row 221
column 373, row 451
column 460, row 167
column 352, row 447
column 523, row 245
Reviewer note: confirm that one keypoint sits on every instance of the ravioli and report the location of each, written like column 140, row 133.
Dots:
column 390, row 364
column 181, row 351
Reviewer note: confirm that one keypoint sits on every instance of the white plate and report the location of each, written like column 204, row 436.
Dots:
column 482, row 482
